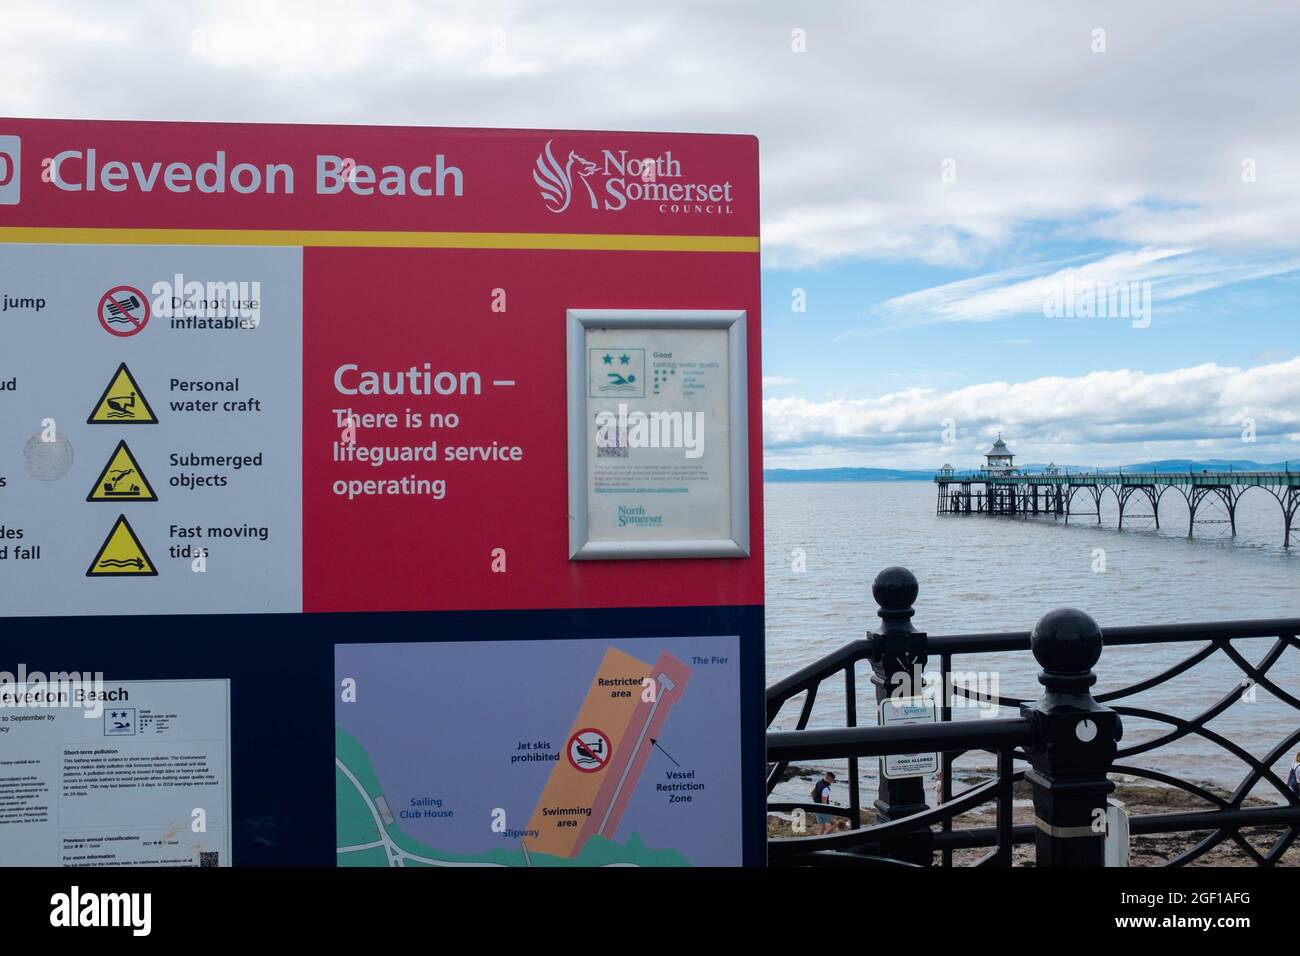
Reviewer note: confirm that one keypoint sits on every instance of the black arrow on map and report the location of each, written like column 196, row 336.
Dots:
column 655, row 743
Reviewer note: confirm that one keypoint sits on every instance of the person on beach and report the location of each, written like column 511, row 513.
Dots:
column 821, row 795
column 1293, row 780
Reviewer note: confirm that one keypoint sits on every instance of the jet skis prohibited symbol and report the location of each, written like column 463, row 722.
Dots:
column 123, row 311
column 589, row 750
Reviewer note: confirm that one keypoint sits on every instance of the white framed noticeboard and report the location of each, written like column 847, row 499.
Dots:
column 658, row 434
column 899, row 712
column 110, row 773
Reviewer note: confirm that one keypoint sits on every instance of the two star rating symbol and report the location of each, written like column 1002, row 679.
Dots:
column 622, row 359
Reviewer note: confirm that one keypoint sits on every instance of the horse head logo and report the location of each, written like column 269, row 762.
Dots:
column 556, row 180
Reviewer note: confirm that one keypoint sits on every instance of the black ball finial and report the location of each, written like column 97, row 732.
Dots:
column 1067, row 642
column 895, row 589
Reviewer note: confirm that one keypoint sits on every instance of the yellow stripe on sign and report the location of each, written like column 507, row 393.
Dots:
column 309, row 238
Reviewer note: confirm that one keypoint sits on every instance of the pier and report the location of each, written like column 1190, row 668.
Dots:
column 999, row 488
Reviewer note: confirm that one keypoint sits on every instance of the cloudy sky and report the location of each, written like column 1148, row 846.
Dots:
column 948, row 188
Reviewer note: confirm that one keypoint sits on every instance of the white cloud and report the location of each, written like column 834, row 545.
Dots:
column 1173, row 274
column 778, row 381
column 1142, row 144
column 1105, row 416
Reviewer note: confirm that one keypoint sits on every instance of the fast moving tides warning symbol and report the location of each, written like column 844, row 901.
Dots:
column 123, row 402
column 121, row 555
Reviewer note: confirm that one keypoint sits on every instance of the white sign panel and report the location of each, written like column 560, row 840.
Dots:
column 151, row 430
column 125, row 773
column 657, row 434
column 899, row 712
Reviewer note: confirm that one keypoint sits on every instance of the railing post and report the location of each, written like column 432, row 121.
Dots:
column 1074, row 743
column 898, row 656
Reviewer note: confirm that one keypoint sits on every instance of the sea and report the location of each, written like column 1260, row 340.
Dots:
column 825, row 542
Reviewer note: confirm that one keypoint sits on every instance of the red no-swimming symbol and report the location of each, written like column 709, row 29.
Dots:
column 588, row 750
column 123, row 311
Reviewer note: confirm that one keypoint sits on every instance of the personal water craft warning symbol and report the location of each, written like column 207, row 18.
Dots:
column 121, row 555
column 122, row 479
column 589, row 750
column 123, row 311
column 122, row 403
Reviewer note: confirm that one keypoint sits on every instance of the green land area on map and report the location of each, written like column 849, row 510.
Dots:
column 356, row 820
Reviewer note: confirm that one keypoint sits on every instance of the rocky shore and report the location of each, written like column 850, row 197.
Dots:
column 1140, row 798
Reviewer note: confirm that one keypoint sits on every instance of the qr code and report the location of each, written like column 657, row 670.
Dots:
column 209, row 858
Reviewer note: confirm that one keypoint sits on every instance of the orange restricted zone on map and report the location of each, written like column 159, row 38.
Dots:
column 606, row 751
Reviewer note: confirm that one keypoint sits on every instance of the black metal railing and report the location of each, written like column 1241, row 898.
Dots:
column 1066, row 737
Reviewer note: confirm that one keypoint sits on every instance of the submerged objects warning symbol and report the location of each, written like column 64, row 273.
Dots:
column 123, row 311
column 121, row 555
column 122, row 479
column 589, row 750
column 122, row 403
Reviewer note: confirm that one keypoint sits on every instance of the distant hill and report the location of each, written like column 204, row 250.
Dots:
column 1209, row 464
column 896, row 474
column 844, row 474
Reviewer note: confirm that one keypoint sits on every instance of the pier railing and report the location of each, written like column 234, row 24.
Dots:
column 1067, row 743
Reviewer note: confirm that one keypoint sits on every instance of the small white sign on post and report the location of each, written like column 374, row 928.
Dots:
column 899, row 711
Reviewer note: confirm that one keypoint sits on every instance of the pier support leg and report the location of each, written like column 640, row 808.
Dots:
column 1230, row 496
column 1128, row 491
column 1290, row 505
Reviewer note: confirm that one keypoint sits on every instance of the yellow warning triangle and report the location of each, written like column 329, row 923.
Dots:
column 122, row 479
column 121, row 555
column 122, row 403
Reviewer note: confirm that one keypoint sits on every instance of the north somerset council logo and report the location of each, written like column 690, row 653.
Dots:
column 556, row 179
column 614, row 179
